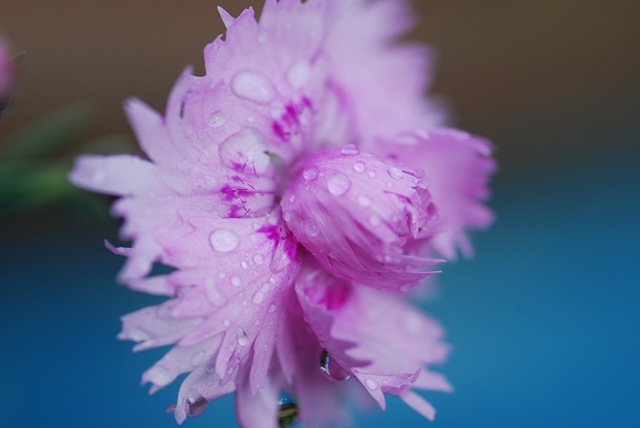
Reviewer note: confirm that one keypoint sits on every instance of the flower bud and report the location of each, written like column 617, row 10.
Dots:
column 357, row 213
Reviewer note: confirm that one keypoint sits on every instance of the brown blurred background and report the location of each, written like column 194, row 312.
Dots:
column 536, row 77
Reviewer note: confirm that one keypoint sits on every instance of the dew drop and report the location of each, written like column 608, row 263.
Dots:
column 310, row 173
column 226, row 322
column 371, row 174
column 311, row 228
column 258, row 259
column 350, row 150
column 245, row 150
column 364, row 201
column 210, row 368
column 286, row 216
column 331, row 369
column 217, row 119
column 371, row 384
column 244, row 264
column 253, row 86
column 287, row 411
column 224, row 240
column 243, row 340
column 359, row 166
column 395, row 173
column 195, row 404
column 236, row 281
column 374, row 220
column 272, row 308
column 338, row 184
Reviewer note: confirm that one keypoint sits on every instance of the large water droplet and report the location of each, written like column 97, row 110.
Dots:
column 245, row 150
column 253, row 86
column 287, row 411
column 350, row 150
column 217, row 119
column 310, row 173
column 195, row 404
column 243, row 340
column 331, row 369
column 338, row 184
column 224, row 240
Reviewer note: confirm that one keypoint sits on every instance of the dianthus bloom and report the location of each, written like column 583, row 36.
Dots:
column 6, row 74
column 298, row 190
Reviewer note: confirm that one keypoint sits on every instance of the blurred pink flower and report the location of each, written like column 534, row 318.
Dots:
column 6, row 73
column 299, row 188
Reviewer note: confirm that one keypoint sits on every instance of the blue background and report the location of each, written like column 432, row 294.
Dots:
column 544, row 321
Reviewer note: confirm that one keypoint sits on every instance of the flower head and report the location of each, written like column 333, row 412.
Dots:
column 6, row 73
column 299, row 188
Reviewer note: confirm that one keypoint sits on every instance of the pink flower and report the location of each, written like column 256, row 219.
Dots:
column 299, row 188
column 6, row 73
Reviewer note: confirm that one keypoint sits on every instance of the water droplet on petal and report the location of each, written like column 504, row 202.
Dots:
column 395, row 173
column 338, row 184
column 244, row 264
column 371, row 174
column 258, row 259
column 253, row 86
column 195, row 404
column 272, row 308
column 311, row 228
column 243, row 340
column 245, row 151
column 210, row 368
column 287, row 411
column 224, row 240
column 350, row 150
column 226, row 322
column 286, row 216
column 217, row 119
column 364, row 201
column 331, row 369
column 236, row 281
column 310, row 173
column 374, row 220
column 371, row 384
column 359, row 166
